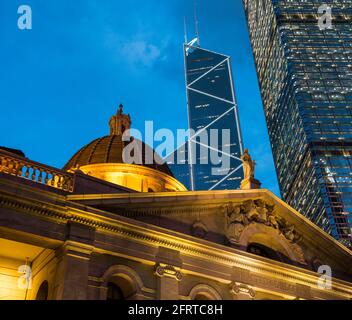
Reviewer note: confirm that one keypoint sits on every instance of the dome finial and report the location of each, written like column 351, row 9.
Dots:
column 120, row 109
column 119, row 123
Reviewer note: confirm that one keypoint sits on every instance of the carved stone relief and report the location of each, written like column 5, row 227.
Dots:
column 199, row 230
column 239, row 216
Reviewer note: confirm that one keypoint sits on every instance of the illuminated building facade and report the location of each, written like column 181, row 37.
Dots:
column 212, row 108
column 99, row 230
column 305, row 77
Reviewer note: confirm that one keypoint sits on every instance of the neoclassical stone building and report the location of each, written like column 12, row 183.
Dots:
column 102, row 229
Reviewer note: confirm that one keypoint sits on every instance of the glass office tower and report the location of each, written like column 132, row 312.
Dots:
column 179, row 165
column 215, row 147
column 305, row 77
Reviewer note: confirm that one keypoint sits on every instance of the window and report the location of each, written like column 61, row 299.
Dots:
column 120, row 288
column 43, row 291
column 114, row 292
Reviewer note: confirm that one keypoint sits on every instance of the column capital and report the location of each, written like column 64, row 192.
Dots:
column 164, row 270
column 77, row 249
column 241, row 288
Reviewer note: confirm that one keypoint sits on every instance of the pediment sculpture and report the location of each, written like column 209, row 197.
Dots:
column 239, row 216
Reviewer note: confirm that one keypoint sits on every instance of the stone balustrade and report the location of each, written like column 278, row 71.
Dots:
column 36, row 172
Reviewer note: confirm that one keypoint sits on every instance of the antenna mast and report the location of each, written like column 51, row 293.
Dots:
column 196, row 22
column 185, row 29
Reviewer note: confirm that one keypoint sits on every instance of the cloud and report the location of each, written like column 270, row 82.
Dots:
column 141, row 52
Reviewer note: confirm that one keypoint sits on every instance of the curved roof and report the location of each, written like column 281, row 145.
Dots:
column 109, row 149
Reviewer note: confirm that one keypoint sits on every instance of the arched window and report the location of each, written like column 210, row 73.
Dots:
column 43, row 291
column 114, row 292
column 120, row 288
column 121, row 283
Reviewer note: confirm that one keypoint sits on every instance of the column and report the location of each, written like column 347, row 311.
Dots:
column 168, row 280
column 168, row 272
column 71, row 281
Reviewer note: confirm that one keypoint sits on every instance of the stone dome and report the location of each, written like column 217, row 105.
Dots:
column 103, row 158
column 109, row 149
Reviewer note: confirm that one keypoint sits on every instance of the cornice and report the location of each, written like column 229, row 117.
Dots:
column 35, row 208
column 178, row 203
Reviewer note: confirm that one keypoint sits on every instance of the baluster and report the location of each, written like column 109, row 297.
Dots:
column 50, row 178
column 63, row 186
column 27, row 171
column 20, row 169
column 59, row 181
column 5, row 165
column 46, row 180
column 65, row 183
column 40, row 176
column 34, row 173
column 53, row 180
column 17, row 167
column 10, row 166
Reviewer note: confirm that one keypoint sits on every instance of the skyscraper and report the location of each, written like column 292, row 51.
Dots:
column 213, row 119
column 304, row 66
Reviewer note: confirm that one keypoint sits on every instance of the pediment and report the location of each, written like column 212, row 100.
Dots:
column 240, row 218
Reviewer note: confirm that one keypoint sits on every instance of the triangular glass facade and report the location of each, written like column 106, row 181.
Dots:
column 213, row 155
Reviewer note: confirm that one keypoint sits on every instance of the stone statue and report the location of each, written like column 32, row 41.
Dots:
column 288, row 231
column 248, row 165
column 262, row 211
column 249, row 182
column 120, row 122
column 235, row 222
column 199, row 229
column 250, row 210
column 120, row 110
column 272, row 221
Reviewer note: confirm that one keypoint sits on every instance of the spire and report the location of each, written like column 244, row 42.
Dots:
column 185, row 29
column 196, row 22
column 120, row 122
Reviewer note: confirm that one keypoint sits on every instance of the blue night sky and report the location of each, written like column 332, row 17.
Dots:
column 61, row 81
